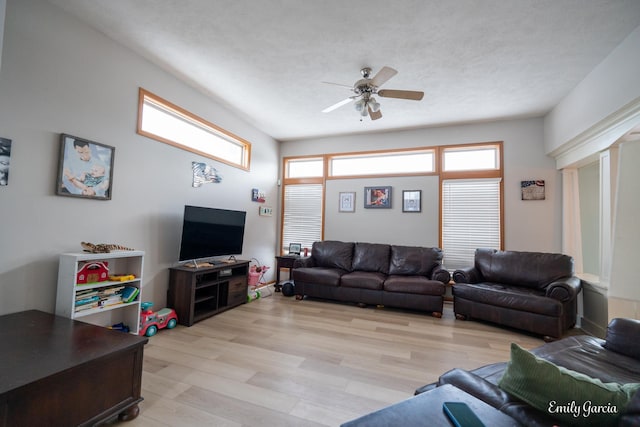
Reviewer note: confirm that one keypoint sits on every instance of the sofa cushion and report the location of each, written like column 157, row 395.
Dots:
column 371, row 257
column 411, row 260
column 318, row 275
column 333, row 254
column 622, row 337
column 363, row 280
column 528, row 269
column 413, row 285
column 512, row 297
column 567, row 395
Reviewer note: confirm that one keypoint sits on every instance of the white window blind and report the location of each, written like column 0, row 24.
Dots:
column 470, row 219
column 302, row 215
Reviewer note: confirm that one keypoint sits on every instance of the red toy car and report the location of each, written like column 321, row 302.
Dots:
column 151, row 321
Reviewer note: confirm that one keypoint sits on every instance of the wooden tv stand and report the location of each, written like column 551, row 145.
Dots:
column 198, row 293
column 57, row 371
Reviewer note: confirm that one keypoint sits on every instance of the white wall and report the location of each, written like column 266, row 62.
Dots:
column 531, row 225
column 3, row 4
column 624, row 292
column 60, row 76
column 612, row 85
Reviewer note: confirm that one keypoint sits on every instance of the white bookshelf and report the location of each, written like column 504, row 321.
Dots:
column 119, row 262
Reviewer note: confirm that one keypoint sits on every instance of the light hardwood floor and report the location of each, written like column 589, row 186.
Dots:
column 281, row 362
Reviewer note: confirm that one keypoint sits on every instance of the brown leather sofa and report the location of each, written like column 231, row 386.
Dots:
column 613, row 360
column 372, row 273
column 532, row 291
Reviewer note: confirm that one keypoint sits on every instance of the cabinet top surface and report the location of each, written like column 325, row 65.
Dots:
column 112, row 254
column 216, row 266
column 36, row 345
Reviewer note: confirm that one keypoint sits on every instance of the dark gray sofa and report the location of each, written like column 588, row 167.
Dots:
column 532, row 291
column 372, row 273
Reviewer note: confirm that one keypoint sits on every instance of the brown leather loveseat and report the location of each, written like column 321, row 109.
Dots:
column 532, row 291
column 373, row 273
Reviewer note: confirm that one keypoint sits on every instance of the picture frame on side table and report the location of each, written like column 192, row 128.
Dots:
column 377, row 197
column 85, row 168
column 347, row 202
column 411, row 200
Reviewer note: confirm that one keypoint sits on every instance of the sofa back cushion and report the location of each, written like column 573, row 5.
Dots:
column 529, row 269
column 371, row 257
column 333, row 254
column 412, row 260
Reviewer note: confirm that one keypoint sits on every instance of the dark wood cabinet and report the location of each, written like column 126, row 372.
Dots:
column 198, row 293
column 61, row 372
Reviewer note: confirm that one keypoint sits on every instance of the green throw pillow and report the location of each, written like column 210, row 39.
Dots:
column 566, row 395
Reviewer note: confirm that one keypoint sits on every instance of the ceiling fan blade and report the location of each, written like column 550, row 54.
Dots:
column 338, row 105
column 338, row 84
column 383, row 75
column 401, row 94
column 375, row 115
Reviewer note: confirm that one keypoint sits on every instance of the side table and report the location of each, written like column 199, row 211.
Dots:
column 425, row 409
column 283, row 261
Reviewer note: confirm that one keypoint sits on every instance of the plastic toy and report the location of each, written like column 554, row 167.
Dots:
column 151, row 322
column 121, row 277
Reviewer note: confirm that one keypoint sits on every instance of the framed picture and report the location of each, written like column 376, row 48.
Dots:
column 411, row 200
column 347, row 202
column 377, row 197
column 295, row 248
column 532, row 190
column 5, row 160
column 85, row 168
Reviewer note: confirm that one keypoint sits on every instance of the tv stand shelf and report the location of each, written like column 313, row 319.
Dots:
column 198, row 293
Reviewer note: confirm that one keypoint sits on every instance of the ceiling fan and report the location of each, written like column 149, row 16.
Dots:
column 367, row 86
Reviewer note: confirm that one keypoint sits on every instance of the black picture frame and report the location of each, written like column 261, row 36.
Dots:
column 411, row 200
column 85, row 168
column 295, row 248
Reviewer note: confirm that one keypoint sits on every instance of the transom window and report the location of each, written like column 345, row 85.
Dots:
column 160, row 120
column 305, row 168
column 470, row 158
column 389, row 163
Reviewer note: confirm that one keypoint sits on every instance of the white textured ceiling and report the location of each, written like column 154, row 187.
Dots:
column 475, row 60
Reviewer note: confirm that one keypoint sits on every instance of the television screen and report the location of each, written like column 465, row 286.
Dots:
column 210, row 232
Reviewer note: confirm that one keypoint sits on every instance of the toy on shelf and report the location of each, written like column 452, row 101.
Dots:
column 120, row 327
column 151, row 322
column 122, row 277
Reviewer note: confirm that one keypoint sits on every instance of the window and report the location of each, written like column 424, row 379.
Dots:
column 389, row 163
column 302, row 217
column 160, row 120
column 471, row 191
column 305, row 168
column 469, row 158
column 470, row 219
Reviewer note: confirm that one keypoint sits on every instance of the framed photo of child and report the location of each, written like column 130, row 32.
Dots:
column 85, row 168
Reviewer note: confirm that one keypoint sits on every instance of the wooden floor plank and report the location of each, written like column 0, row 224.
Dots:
column 281, row 362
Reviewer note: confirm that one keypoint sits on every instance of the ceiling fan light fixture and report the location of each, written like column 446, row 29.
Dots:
column 374, row 105
column 359, row 105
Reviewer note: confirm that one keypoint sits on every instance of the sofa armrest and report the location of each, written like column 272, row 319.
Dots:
column 441, row 274
column 304, row 262
column 565, row 289
column 467, row 275
column 476, row 386
column 622, row 337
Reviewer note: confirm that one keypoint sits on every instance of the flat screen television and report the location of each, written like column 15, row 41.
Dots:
column 211, row 232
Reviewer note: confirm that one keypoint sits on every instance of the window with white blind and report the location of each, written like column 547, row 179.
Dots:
column 302, row 218
column 470, row 219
